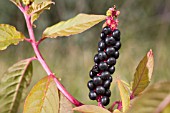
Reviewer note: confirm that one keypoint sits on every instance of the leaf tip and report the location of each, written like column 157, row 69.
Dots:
column 150, row 53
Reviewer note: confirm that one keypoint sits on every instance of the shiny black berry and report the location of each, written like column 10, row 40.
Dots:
column 103, row 66
column 110, row 41
column 110, row 78
column 91, row 85
column 95, row 69
column 105, row 100
column 108, row 93
column 102, row 45
column 100, row 90
column 96, row 59
column 111, row 69
column 106, row 84
column 116, row 55
column 92, row 95
column 107, row 30
column 100, row 50
column 97, row 80
column 102, row 55
column 92, row 74
column 116, row 34
column 117, row 45
column 111, row 61
column 110, row 51
column 105, row 75
column 102, row 36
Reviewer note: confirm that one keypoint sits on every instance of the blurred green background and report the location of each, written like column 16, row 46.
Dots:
column 144, row 25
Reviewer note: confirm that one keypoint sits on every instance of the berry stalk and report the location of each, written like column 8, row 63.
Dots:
column 42, row 61
column 105, row 60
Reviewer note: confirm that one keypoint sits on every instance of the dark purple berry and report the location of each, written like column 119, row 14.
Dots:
column 102, row 55
column 96, row 59
column 117, row 45
column 110, row 41
column 102, row 36
column 111, row 61
column 105, row 100
column 100, row 50
column 110, row 51
column 92, row 74
column 92, row 95
column 105, row 75
column 107, row 30
column 97, row 80
column 100, row 90
column 106, row 84
column 103, row 66
column 116, row 55
column 108, row 93
column 91, row 85
column 110, row 78
column 95, row 69
column 116, row 34
column 111, row 69
column 102, row 45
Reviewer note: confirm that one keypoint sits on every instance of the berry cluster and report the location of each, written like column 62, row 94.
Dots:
column 104, row 66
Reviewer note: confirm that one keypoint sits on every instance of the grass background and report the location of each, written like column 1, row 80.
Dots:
column 144, row 25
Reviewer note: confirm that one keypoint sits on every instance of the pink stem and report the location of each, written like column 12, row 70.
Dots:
column 113, row 105
column 119, row 107
column 33, row 58
column 35, row 46
column 42, row 61
column 99, row 102
column 28, row 40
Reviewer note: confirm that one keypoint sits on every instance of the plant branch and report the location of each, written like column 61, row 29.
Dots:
column 41, row 60
column 33, row 58
column 113, row 105
column 99, row 102
column 42, row 39
column 119, row 107
column 28, row 40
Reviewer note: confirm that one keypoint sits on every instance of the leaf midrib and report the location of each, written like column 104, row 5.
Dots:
column 141, row 75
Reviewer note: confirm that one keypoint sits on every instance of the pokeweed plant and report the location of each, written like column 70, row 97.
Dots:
column 50, row 96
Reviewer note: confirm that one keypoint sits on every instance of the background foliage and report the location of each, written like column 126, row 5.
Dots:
column 143, row 25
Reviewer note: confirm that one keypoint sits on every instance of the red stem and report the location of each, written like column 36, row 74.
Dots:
column 42, row 61
column 113, row 105
column 99, row 102
column 119, row 107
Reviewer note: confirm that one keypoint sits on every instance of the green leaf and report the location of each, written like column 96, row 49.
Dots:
column 143, row 74
column 125, row 97
column 35, row 16
column 37, row 7
column 14, row 81
column 43, row 97
column 127, row 85
column 9, row 35
column 117, row 111
column 36, row 2
column 153, row 100
column 73, row 26
column 65, row 105
column 166, row 109
column 91, row 109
